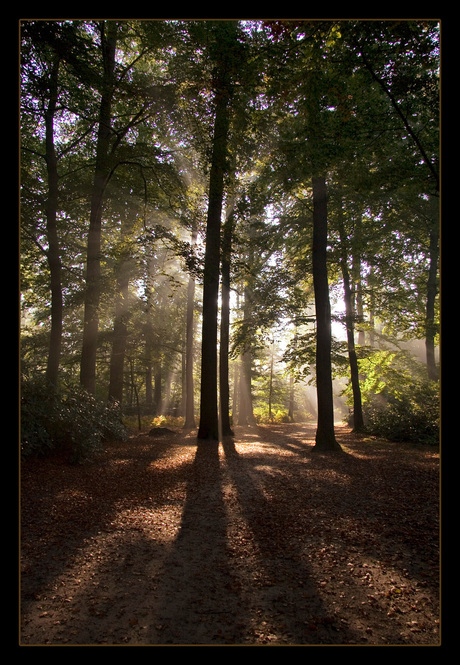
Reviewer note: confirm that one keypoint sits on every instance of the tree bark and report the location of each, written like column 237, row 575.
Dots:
column 120, row 336
column 430, row 326
column 270, row 391
column 358, row 419
column 189, row 341
column 325, row 435
column 209, row 419
column 246, row 411
column 291, row 399
column 53, row 254
column 225, row 328
column 101, row 177
column 157, row 395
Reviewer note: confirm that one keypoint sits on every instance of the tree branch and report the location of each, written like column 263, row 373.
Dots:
column 403, row 118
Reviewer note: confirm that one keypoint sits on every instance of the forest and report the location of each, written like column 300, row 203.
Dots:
column 228, row 226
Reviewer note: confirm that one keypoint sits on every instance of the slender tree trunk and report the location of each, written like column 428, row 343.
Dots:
column 148, row 388
column 357, row 281
column 209, row 419
column 325, row 435
column 225, row 328
column 370, row 288
column 101, row 177
column 183, row 399
column 53, row 254
column 189, row 342
column 358, row 420
column 270, row 391
column 135, row 390
column 157, row 398
column 245, row 411
column 430, row 326
column 150, row 399
column 120, row 336
column 291, row 399
column 236, row 375
column 120, row 325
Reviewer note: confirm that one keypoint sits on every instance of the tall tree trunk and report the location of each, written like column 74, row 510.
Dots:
column 245, row 411
column 148, row 387
column 357, row 281
column 53, row 254
column 189, row 342
column 291, row 399
column 325, row 435
column 209, row 419
column 430, row 326
column 225, row 328
column 183, row 398
column 270, row 390
column 358, row 420
column 157, row 397
column 370, row 288
column 120, row 325
column 236, row 391
column 120, row 336
column 101, row 177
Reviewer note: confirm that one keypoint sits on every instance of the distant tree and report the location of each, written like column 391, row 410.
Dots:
column 225, row 325
column 189, row 349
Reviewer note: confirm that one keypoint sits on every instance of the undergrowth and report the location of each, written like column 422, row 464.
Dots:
column 71, row 422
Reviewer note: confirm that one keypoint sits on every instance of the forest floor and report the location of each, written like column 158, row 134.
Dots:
column 259, row 542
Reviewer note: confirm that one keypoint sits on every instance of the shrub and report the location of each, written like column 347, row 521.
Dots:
column 279, row 415
column 75, row 422
column 399, row 402
column 412, row 415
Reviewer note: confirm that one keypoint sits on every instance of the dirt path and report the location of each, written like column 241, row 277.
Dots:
column 258, row 542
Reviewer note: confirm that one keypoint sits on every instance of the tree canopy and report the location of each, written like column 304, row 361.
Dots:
column 236, row 209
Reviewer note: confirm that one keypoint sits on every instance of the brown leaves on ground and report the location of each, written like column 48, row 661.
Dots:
column 259, row 541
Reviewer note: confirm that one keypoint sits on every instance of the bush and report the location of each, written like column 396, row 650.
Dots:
column 279, row 415
column 74, row 423
column 399, row 402
column 411, row 416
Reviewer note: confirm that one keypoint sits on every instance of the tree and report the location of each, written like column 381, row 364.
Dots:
column 47, row 41
column 319, row 136
column 108, row 35
column 358, row 418
column 224, row 44
column 123, row 270
column 410, row 83
column 226, row 429
column 189, row 349
column 325, row 436
column 109, row 157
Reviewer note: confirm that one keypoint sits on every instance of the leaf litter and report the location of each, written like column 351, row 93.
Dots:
column 258, row 541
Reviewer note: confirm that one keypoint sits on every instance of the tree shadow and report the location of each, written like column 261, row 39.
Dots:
column 207, row 584
column 200, row 602
column 280, row 589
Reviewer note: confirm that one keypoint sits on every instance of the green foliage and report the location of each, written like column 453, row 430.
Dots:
column 74, row 423
column 399, row 402
column 279, row 415
column 148, row 422
column 347, row 97
column 412, row 417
